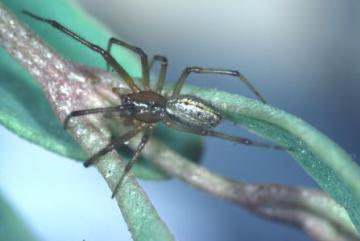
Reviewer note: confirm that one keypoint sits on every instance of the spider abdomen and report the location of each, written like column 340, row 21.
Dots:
column 192, row 112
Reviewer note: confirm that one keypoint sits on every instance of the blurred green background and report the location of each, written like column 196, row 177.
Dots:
column 302, row 55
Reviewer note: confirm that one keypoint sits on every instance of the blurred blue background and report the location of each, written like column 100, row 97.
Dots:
column 303, row 56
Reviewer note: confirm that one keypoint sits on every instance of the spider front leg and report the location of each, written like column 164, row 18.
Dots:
column 236, row 139
column 105, row 54
column 137, row 50
column 119, row 108
column 163, row 68
column 199, row 70
column 130, row 164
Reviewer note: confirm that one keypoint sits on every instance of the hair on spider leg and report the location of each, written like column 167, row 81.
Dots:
column 149, row 107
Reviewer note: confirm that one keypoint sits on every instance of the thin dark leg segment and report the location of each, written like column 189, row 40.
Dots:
column 179, row 84
column 163, row 68
column 105, row 54
column 76, row 113
column 120, row 91
column 130, row 164
column 140, row 52
column 112, row 145
column 224, row 136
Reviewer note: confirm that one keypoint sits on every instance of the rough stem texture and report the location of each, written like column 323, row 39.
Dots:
column 313, row 211
column 69, row 86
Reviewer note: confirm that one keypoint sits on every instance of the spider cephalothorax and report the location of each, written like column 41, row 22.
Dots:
column 149, row 107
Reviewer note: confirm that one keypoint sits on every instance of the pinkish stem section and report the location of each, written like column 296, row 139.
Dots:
column 72, row 87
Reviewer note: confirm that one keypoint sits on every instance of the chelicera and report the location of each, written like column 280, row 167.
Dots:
column 148, row 107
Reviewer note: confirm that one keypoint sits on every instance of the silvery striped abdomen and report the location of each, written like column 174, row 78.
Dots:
column 192, row 112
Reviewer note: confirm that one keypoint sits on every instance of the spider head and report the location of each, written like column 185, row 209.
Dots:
column 147, row 106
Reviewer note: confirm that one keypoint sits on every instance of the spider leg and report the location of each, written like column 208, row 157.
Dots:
column 105, row 54
column 199, row 70
column 113, row 144
column 221, row 135
column 163, row 68
column 129, row 165
column 137, row 50
column 119, row 108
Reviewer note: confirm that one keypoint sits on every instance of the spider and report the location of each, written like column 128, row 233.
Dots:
column 148, row 107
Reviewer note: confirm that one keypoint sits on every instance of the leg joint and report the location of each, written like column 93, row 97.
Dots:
column 160, row 58
column 235, row 73
column 140, row 51
column 102, row 51
column 193, row 69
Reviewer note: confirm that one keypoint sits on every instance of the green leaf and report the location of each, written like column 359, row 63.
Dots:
column 325, row 161
column 55, row 77
column 11, row 226
column 36, row 122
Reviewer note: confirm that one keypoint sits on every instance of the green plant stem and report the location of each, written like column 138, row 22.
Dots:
column 296, row 206
column 70, row 86
column 66, row 87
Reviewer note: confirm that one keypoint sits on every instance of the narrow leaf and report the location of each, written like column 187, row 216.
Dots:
column 326, row 162
column 36, row 122
column 12, row 228
column 67, row 86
